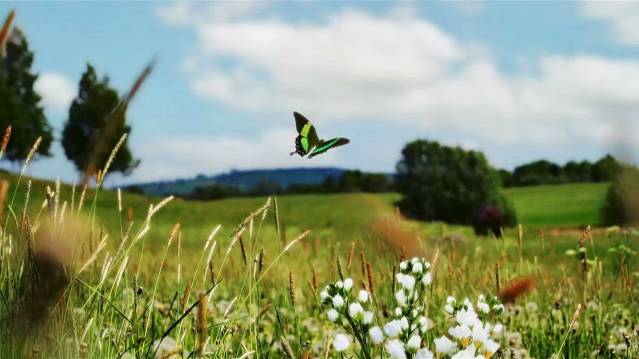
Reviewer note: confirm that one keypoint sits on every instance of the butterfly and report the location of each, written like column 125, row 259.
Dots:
column 308, row 143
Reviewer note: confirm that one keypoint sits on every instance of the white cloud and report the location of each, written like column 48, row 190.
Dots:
column 622, row 17
column 354, row 66
column 56, row 90
column 172, row 157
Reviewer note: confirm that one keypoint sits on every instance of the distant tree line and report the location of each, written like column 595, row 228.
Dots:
column 545, row 172
column 348, row 181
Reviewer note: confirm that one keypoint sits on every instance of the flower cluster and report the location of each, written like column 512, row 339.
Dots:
column 472, row 335
column 349, row 310
column 405, row 332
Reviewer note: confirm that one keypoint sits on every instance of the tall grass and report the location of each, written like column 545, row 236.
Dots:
column 72, row 288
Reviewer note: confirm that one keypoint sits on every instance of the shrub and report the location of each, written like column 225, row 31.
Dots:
column 622, row 200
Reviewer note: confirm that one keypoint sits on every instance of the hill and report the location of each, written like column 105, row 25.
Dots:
column 243, row 179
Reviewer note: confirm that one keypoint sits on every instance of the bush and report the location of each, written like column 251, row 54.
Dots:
column 447, row 183
column 622, row 200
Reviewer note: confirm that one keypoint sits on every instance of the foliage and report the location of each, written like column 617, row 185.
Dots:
column 89, row 115
column 445, row 183
column 545, row 172
column 622, row 200
column 19, row 103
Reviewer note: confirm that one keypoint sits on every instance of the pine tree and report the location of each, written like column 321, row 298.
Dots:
column 19, row 103
column 96, row 123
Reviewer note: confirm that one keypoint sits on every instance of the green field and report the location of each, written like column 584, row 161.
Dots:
column 559, row 205
column 277, row 312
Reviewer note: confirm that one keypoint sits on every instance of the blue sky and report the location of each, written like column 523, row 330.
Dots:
column 517, row 80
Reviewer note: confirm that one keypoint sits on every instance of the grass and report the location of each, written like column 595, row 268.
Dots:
column 146, row 285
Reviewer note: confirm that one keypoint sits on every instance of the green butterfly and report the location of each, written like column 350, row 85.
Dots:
column 307, row 140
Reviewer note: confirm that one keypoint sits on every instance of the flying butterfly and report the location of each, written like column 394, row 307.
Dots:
column 308, row 143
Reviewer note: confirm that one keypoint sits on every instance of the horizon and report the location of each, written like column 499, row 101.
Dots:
column 546, row 81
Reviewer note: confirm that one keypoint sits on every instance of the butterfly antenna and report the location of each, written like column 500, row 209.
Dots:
column 292, row 153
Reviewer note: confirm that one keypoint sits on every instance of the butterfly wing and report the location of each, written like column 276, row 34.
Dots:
column 324, row 146
column 307, row 135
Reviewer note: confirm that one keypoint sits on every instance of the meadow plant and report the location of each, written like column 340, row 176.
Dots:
column 407, row 332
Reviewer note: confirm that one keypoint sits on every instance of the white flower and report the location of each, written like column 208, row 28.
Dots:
column 332, row 315
column 424, row 354
column 323, row 295
column 414, row 342
column 449, row 309
column 444, row 345
column 368, row 317
column 339, row 284
column 417, row 268
column 362, row 296
column 400, row 297
column 483, row 307
column 341, row 342
column 403, row 265
column 395, row 349
column 490, row 347
column 398, row 311
column 467, row 317
column 376, row 335
column 497, row 329
column 468, row 303
column 425, row 324
column 348, row 284
column 460, row 332
column 481, row 298
column 480, row 334
column 356, row 311
column 498, row 307
column 404, row 323
column 450, row 300
column 393, row 328
column 338, row 301
column 408, row 282
column 468, row 353
column 427, row 279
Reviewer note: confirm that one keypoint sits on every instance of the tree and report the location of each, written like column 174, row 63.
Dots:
column 578, row 171
column 90, row 115
column 538, row 172
column 19, row 103
column 606, row 169
column 446, row 183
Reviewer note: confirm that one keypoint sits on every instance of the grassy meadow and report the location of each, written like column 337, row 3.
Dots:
column 128, row 281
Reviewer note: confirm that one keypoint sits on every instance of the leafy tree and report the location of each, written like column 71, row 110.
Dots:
column 19, row 103
column 506, row 178
column 90, row 114
column 606, row 169
column 446, row 183
column 622, row 200
column 538, row 172
column 578, row 171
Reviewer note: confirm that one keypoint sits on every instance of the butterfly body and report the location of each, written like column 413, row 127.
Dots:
column 308, row 143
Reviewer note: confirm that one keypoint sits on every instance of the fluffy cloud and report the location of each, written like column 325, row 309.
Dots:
column 622, row 16
column 355, row 66
column 56, row 90
column 179, row 157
